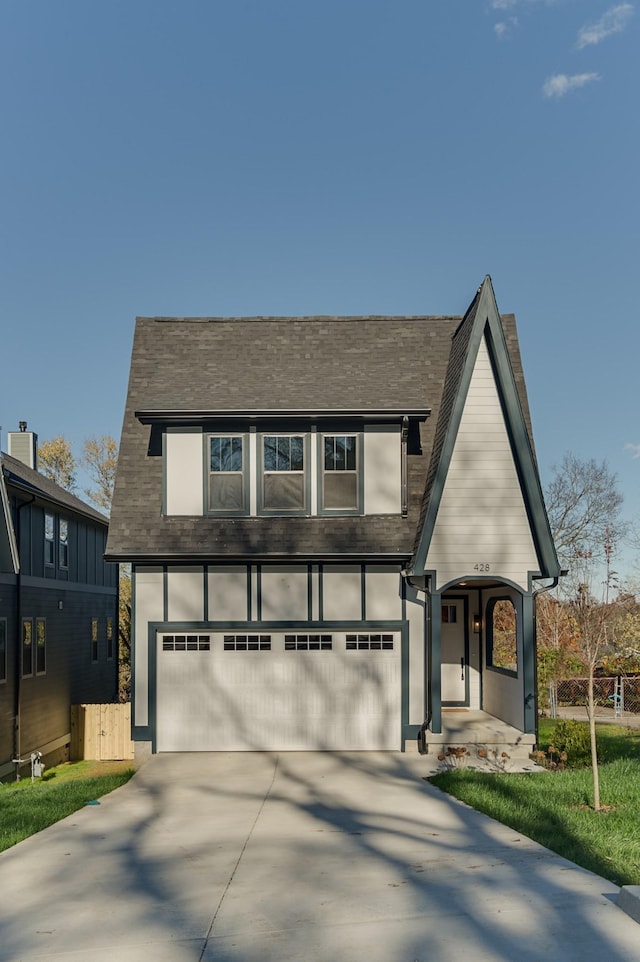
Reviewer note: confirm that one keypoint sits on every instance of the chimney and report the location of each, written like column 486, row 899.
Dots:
column 23, row 445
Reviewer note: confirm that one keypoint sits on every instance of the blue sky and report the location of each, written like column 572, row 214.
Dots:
column 339, row 157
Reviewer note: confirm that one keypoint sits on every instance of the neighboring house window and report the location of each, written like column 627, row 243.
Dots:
column 41, row 646
column 27, row 646
column 227, row 474
column 109, row 638
column 502, row 639
column 3, row 649
column 49, row 539
column 340, row 472
column 94, row 639
column 63, row 543
column 283, row 473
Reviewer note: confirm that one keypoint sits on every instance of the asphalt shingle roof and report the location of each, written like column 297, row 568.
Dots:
column 278, row 364
column 33, row 482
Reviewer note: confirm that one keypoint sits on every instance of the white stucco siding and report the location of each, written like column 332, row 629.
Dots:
column 148, row 594
column 285, row 593
column 482, row 519
column 382, row 459
column 341, row 593
column 185, row 594
column 184, row 472
column 228, row 593
column 503, row 697
column 383, row 593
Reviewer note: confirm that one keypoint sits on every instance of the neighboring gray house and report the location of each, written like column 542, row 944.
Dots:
column 58, row 608
column 335, row 527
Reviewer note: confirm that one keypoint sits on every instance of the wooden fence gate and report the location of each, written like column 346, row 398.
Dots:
column 101, row 732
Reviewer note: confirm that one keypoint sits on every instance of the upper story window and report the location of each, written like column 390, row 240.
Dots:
column 41, row 646
column 284, row 485
column 27, row 646
column 340, row 473
column 63, row 543
column 49, row 539
column 109, row 639
column 227, row 474
column 94, row 640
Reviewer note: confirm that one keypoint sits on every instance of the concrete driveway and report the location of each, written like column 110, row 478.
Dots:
column 307, row 857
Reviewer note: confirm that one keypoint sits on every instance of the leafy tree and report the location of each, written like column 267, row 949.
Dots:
column 57, row 462
column 557, row 643
column 100, row 459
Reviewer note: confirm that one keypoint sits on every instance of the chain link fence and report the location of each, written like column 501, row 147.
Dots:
column 616, row 696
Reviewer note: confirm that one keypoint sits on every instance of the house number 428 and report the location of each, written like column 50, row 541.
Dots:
column 482, row 566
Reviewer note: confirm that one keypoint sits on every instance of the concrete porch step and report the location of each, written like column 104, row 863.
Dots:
column 477, row 738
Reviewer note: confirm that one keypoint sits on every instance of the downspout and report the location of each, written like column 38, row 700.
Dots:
column 540, row 591
column 427, row 657
column 18, row 651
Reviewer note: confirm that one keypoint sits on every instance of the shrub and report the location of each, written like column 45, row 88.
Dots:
column 572, row 737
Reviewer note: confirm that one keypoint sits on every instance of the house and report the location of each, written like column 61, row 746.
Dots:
column 58, row 608
column 336, row 530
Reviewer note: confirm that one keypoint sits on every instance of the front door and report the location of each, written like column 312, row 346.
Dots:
column 455, row 653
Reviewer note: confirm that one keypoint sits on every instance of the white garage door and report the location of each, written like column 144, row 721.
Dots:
column 281, row 691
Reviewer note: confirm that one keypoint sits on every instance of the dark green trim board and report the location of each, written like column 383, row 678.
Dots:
column 205, row 592
column 310, row 592
column 529, row 664
column 165, row 592
column 259, row 592
column 486, row 321
column 149, row 732
column 435, row 662
column 363, row 592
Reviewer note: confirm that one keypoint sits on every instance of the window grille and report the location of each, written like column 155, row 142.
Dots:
column 369, row 642
column 308, row 642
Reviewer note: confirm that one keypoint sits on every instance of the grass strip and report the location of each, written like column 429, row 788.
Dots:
column 27, row 808
column 555, row 808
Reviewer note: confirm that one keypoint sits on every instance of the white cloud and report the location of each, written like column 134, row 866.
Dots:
column 560, row 84
column 613, row 21
column 635, row 448
column 504, row 26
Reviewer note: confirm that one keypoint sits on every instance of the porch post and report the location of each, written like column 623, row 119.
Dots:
column 435, row 663
column 530, row 695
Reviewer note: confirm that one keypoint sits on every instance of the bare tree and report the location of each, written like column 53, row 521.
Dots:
column 583, row 504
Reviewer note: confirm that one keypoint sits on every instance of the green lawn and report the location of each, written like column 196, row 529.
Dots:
column 554, row 808
column 27, row 808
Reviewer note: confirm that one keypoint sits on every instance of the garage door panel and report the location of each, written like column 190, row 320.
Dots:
column 277, row 699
